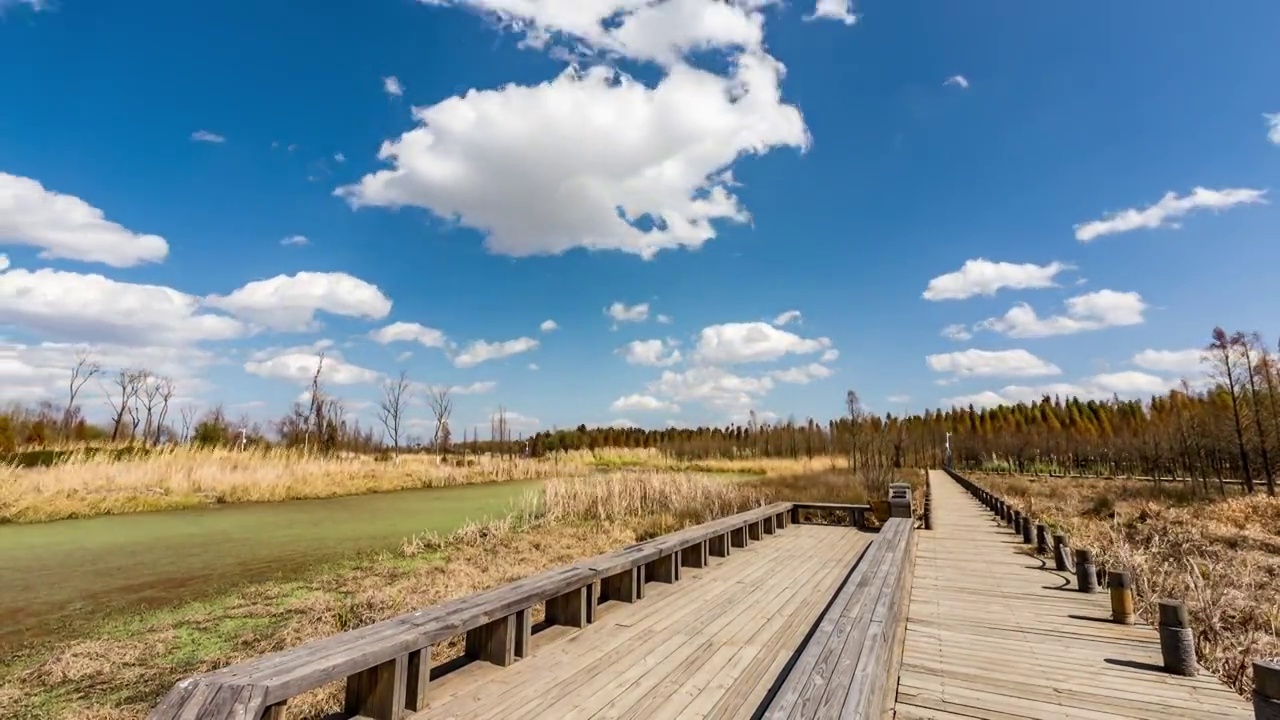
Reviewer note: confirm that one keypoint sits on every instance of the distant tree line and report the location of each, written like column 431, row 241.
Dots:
column 1226, row 429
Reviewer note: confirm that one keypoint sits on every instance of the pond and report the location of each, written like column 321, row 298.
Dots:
column 58, row 577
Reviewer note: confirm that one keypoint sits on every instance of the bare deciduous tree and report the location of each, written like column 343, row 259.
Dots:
column 165, row 391
column 441, row 408
column 129, row 383
column 1226, row 365
column 392, row 406
column 188, row 414
column 85, row 368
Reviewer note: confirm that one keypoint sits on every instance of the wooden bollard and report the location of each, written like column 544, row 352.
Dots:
column 1086, row 577
column 1120, row 584
column 1017, row 521
column 1027, row 536
column 1177, row 643
column 1060, row 551
column 1266, row 689
column 1042, row 539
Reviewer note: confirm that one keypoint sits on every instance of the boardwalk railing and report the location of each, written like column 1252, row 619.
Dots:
column 386, row 666
column 1177, row 642
column 848, row 667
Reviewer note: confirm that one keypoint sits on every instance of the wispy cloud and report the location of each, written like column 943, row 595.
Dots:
column 959, row 81
column 1273, row 127
column 1166, row 212
column 206, row 136
column 295, row 240
column 391, row 85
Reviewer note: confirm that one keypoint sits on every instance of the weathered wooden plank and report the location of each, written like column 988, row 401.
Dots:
column 590, row 673
column 803, row 683
column 987, row 637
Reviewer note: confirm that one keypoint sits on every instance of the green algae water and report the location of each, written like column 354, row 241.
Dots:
column 62, row 576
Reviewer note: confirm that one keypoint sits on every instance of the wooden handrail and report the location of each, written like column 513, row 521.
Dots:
column 386, row 665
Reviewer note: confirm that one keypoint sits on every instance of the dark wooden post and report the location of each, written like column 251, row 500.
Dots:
column 738, row 537
column 1266, row 689
column 419, row 677
column 1120, row 584
column 1060, row 550
column 379, row 692
column 1086, row 576
column 1042, row 539
column 1177, row 643
column 1027, row 533
column 755, row 531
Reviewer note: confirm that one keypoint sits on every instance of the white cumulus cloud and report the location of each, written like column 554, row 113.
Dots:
column 959, row 81
column 1183, row 362
column 301, row 367
column 621, row 312
column 64, row 227
column 653, row 353
column 984, row 277
column 802, row 375
column 1166, row 212
column 391, row 86
column 548, row 326
column 733, row 343
column 643, row 403
column 1273, row 127
column 79, row 307
column 410, row 332
column 787, row 317
column 290, row 302
column 715, row 387
column 598, row 160
column 839, row 10
column 1128, row 384
column 1091, row 311
column 480, row 351
column 991, row 363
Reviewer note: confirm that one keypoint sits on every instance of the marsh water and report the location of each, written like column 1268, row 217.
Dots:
column 68, row 574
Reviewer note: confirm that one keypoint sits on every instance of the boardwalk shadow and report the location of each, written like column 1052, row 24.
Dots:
column 1091, row 618
column 1134, row 664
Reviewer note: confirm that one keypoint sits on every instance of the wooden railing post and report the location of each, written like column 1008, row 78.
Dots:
column 1177, row 643
column 1042, row 539
column 1120, row 584
column 1266, row 689
column 379, row 692
column 1060, row 550
column 1086, row 574
column 1027, row 532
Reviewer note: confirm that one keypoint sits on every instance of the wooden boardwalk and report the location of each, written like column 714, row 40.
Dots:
column 709, row 646
column 992, row 634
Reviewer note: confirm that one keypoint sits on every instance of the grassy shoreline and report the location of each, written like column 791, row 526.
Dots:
column 119, row 669
column 92, row 482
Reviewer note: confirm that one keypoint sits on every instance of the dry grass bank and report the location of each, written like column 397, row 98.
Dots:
column 87, row 484
column 120, row 670
column 1220, row 555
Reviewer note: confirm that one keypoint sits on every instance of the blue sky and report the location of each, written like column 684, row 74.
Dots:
column 154, row 156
